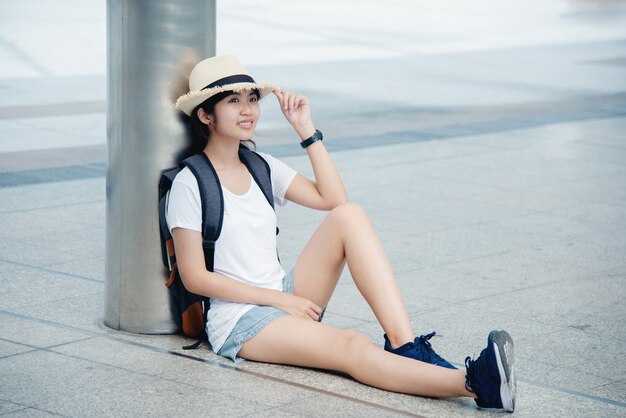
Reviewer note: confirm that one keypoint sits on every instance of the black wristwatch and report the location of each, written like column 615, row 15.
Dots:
column 317, row 136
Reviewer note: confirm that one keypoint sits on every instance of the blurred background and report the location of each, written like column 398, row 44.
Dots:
column 440, row 68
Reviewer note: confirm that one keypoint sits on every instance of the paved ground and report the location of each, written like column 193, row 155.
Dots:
column 487, row 144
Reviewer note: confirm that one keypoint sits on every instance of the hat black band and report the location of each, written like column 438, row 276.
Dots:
column 231, row 79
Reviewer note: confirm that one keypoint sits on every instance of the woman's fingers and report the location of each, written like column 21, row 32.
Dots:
column 316, row 311
column 312, row 311
column 312, row 314
column 280, row 95
column 294, row 107
column 292, row 102
column 288, row 101
column 285, row 102
column 316, row 308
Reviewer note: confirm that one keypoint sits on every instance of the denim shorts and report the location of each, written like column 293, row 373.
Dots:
column 254, row 321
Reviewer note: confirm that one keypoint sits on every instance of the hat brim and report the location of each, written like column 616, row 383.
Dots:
column 188, row 102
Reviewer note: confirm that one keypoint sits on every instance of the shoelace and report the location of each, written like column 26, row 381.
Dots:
column 425, row 338
column 469, row 375
column 429, row 353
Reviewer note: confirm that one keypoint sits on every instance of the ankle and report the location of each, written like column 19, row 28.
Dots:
column 398, row 341
column 466, row 391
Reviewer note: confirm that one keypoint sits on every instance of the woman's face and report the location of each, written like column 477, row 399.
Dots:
column 236, row 115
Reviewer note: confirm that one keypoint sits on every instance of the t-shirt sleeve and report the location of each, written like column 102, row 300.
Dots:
column 184, row 208
column 282, row 176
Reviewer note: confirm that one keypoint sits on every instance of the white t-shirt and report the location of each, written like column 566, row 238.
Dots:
column 246, row 247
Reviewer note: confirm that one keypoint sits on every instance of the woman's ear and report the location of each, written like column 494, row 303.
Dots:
column 204, row 117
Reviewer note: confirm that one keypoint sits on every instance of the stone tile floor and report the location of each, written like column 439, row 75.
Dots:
column 541, row 255
column 493, row 167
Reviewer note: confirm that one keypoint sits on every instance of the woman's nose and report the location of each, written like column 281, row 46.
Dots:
column 245, row 108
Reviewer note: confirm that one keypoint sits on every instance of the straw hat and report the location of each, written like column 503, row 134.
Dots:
column 215, row 75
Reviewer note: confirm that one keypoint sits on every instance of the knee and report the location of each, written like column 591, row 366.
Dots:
column 354, row 348
column 347, row 212
column 355, row 343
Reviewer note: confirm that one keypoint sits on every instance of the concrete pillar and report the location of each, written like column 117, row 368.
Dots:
column 146, row 40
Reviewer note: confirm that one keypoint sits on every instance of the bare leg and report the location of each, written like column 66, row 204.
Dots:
column 301, row 342
column 347, row 235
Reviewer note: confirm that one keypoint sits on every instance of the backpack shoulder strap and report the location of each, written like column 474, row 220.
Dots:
column 212, row 201
column 260, row 170
column 167, row 249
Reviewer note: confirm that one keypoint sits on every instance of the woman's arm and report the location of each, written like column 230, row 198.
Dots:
column 327, row 190
column 196, row 278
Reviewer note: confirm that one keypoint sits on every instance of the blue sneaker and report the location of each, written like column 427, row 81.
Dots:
column 420, row 349
column 491, row 376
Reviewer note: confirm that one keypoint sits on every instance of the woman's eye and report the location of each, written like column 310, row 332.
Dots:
column 254, row 99
column 234, row 100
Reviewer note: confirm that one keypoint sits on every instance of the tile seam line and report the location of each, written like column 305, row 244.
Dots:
column 34, row 348
column 24, row 112
column 285, row 151
column 576, row 393
column 26, row 407
column 128, row 371
column 97, row 166
column 59, row 206
column 47, row 270
column 268, row 377
column 27, row 59
column 208, row 362
column 264, row 376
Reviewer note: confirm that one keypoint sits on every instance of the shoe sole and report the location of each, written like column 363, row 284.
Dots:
column 503, row 348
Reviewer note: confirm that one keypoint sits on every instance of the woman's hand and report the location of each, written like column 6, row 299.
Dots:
column 297, row 111
column 300, row 307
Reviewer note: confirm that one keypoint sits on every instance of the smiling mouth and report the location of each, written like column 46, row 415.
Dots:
column 246, row 124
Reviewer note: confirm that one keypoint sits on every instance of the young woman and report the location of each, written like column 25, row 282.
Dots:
column 259, row 312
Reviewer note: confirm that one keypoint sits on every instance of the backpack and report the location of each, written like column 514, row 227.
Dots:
column 189, row 310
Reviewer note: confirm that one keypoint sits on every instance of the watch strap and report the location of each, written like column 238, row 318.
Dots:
column 317, row 136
